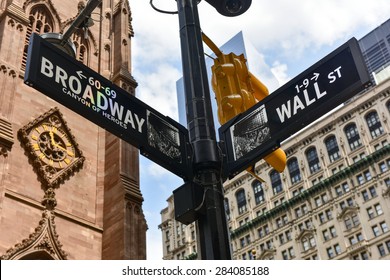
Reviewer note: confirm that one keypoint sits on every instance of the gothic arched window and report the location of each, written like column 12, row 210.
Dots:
column 40, row 22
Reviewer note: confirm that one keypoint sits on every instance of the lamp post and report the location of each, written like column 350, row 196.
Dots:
column 212, row 230
column 62, row 41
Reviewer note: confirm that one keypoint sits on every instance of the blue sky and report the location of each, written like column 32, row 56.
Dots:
column 290, row 35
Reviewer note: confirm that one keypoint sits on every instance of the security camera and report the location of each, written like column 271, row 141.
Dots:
column 230, row 8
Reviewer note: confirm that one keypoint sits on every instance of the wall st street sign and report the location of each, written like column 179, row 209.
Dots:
column 71, row 83
column 322, row 87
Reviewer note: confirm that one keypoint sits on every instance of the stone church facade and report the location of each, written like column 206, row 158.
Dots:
column 68, row 189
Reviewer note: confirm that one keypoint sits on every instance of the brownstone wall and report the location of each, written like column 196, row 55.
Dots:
column 91, row 206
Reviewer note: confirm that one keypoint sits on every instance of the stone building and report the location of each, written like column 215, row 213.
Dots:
column 68, row 188
column 331, row 202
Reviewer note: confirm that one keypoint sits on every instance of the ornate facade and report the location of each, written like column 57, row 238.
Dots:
column 68, row 189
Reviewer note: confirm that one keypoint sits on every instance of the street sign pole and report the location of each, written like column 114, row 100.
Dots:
column 213, row 237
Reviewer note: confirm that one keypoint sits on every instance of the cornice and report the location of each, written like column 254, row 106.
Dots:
column 17, row 13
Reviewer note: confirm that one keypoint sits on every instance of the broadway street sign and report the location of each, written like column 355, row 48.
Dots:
column 84, row 91
column 260, row 130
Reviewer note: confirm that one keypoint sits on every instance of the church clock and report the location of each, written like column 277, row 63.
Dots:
column 51, row 148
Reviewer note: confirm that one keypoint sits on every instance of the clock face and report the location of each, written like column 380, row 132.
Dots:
column 52, row 146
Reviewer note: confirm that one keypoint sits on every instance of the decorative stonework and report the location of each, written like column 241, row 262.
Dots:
column 51, row 148
column 47, row 3
column 6, row 137
column 43, row 243
column 16, row 12
column 123, row 6
column 386, row 192
column 267, row 254
column 347, row 211
column 49, row 200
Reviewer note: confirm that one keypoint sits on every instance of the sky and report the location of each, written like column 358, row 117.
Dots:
column 290, row 36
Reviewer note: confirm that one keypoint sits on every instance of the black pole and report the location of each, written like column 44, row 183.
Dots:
column 213, row 236
column 86, row 12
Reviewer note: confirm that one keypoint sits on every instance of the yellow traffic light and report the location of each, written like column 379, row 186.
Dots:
column 236, row 90
column 232, row 86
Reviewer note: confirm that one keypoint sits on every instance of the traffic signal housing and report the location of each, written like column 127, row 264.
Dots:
column 230, row 8
column 236, row 90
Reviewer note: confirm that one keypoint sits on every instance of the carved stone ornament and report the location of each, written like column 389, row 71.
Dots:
column 267, row 254
column 51, row 148
column 42, row 244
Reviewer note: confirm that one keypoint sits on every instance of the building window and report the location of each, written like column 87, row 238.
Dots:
column 381, row 249
column 365, row 177
column 330, row 252
column 248, row 239
column 258, row 191
column 337, row 249
column 378, row 209
column 343, row 188
column 276, row 182
column 383, row 166
column 242, row 242
column 328, row 213
column 263, row 231
column 227, row 208
column 384, row 227
column 282, row 240
column 372, row 191
column 332, row 148
column 364, row 255
column 241, row 201
column 319, row 200
column 308, row 242
column 333, row 231
column 312, row 160
column 374, row 124
column 285, row 255
column 325, row 234
column 291, row 252
column 288, row 235
column 375, row 230
column 293, row 169
column 351, row 221
column 322, row 218
column 374, row 211
column 387, row 182
column 353, row 137
column 370, row 213
column 388, row 245
column 368, row 194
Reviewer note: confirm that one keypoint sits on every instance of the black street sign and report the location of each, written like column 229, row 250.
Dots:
column 319, row 89
column 71, row 83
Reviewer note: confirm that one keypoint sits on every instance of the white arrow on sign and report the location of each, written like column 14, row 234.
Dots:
column 315, row 77
column 80, row 74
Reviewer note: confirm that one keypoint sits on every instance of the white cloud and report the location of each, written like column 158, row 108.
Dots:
column 155, row 170
column 294, row 26
column 280, row 72
column 157, row 88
